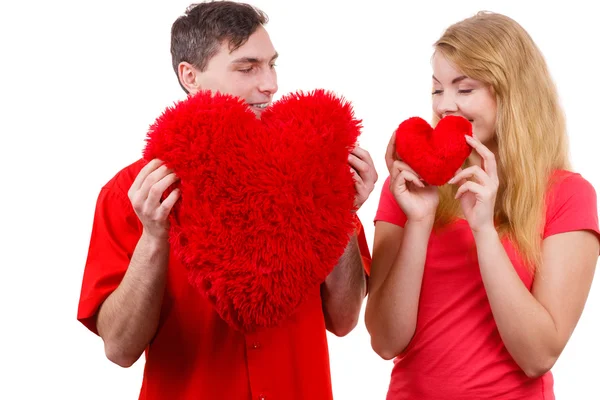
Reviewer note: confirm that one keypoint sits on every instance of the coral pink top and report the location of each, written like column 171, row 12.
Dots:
column 457, row 351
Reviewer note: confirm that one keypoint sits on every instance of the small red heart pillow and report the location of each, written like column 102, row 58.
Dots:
column 266, row 207
column 434, row 154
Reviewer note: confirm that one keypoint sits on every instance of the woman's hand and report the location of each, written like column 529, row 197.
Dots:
column 478, row 196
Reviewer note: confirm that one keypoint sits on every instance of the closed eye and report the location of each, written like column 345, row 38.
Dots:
column 437, row 92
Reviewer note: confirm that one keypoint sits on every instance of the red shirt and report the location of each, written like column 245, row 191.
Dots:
column 456, row 351
column 195, row 354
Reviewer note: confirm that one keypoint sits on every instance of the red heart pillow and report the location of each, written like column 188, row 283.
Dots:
column 434, row 154
column 266, row 205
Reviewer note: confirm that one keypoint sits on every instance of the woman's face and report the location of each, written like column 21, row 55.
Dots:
column 454, row 93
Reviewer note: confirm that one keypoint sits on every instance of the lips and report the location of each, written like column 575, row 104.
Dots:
column 260, row 105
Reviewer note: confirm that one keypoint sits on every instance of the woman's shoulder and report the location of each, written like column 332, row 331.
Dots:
column 571, row 203
column 566, row 183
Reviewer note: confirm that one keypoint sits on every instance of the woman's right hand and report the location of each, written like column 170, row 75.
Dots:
column 417, row 199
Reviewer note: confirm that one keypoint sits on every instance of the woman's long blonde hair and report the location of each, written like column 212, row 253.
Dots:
column 530, row 124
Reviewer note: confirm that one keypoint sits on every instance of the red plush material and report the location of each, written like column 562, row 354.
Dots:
column 266, row 205
column 434, row 154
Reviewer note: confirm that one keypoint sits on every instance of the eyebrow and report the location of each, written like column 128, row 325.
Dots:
column 252, row 60
column 455, row 80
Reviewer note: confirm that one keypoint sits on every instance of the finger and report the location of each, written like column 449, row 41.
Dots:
column 356, row 176
column 412, row 178
column 390, row 153
column 152, row 179
column 358, row 165
column 370, row 174
column 489, row 160
column 395, row 171
column 453, row 180
column 469, row 186
column 397, row 181
column 362, row 154
column 156, row 191
column 143, row 174
column 473, row 171
column 367, row 173
column 167, row 205
column 404, row 167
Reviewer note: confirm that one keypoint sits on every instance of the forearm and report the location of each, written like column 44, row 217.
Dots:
column 392, row 308
column 344, row 290
column 128, row 318
column 526, row 327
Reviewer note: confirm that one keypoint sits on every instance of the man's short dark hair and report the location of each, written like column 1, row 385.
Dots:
column 197, row 35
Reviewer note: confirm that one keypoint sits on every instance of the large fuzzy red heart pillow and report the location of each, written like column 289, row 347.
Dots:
column 267, row 205
column 434, row 154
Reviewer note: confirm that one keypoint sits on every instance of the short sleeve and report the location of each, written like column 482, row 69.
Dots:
column 389, row 210
column 115, row 233
column 571, row 206
column 363, row 246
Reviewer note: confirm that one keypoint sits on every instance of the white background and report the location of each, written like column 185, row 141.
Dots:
column 80, row 82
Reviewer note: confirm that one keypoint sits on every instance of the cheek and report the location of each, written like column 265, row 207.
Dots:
column 223, row 83
column 470, row 106
column 480, row 108
column 489, row 113
column 243, row 84
column 435, row 104
column 234, row 85
column 488, row 106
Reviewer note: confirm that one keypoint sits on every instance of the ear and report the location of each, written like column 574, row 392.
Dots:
column 188, row 77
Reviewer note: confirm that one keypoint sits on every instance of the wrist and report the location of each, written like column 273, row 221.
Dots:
column 151, row 257
column 424, row 225
column 485, row 232
column 426, row 221
column 153, row 241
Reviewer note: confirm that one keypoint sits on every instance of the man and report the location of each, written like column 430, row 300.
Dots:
column 135, row 294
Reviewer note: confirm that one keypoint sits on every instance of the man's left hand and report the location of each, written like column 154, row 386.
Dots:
column 364, row 174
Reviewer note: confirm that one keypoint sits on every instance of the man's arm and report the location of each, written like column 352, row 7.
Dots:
column 343, row 291
column 128, row 318
column 345, row 288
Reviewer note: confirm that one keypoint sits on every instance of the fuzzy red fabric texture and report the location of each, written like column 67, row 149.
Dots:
column 434, row 154
column 267, row 205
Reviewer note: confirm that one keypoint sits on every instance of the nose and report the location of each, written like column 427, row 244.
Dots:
column 446, row 104
column 268, row 82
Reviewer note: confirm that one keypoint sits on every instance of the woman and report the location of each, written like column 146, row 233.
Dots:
column 476, row 286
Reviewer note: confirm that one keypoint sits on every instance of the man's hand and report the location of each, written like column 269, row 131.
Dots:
column 364, row 174
column 145, row 195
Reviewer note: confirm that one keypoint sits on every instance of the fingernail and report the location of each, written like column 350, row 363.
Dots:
column 451, row 180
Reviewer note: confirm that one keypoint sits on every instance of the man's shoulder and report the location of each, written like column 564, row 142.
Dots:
column 123, row 179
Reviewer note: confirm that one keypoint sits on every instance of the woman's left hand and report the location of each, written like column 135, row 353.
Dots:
column 478, row 196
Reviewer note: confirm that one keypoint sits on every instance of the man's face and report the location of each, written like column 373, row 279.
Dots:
column 248, row 72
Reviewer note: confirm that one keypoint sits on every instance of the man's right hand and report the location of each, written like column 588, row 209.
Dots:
column 145, row 195
column 128, row 319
